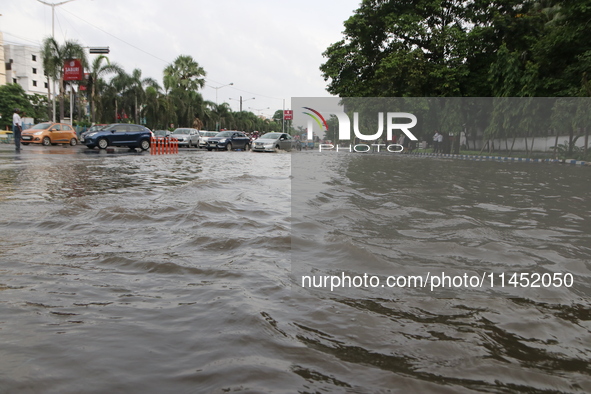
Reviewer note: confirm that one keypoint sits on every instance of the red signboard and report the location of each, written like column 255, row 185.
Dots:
column 288, row 114
column 73, row 70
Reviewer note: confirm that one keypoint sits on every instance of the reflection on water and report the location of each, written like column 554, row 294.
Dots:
column 139, row 273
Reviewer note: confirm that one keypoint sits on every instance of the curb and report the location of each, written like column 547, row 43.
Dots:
column 503, row 158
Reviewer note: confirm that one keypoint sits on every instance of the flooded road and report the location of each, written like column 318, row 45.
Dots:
column 153, row 274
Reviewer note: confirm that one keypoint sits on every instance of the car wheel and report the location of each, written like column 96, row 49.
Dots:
column 247, row 147
column 73, row 142
column 277, row 148
column 229, row 146
column 145, row 145
column 103, row 143
column 46, row 141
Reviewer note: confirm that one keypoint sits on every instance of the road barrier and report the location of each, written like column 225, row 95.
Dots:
column 164, row 145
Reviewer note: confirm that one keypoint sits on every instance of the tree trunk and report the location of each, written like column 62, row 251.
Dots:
column 512, row 145
column 62, row 100
column 556, row 144
column 484, row 146
column 136, row 112
column 92, row 116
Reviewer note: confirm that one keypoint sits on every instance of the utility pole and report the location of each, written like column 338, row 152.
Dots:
column 241, row 101
column 53, row 5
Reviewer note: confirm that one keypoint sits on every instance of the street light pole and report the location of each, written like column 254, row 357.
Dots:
column 216, row 89
column 53, row 5
column 259, row 109
column 241, row 101
column 217, row 124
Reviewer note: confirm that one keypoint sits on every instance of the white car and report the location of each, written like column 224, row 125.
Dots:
column 204, row 136
column 186, row 136
column 273, row 142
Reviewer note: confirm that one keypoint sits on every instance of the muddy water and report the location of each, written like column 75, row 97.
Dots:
column 137, row 273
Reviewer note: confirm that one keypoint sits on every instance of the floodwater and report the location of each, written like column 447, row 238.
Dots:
column 175, row 274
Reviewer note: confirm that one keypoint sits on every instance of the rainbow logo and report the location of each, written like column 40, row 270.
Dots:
column 317, row 117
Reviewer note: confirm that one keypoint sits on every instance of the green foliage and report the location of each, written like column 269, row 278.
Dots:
column 13, row 96
column 570, row 150
column 184, row 74
column 401, row 48
column 478, row 48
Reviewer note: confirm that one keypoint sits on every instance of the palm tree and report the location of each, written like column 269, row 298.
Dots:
column 206, row 113
column 118, row 94
column 184, row 73
column 136, row 88
column 97, row 70
column 54, row 57
column 182, row 79
column 157, row 110
column 223, row 113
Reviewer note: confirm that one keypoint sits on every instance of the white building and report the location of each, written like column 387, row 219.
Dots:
column 2, row 66
column 24, row 65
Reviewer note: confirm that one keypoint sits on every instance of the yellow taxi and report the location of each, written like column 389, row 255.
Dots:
column 49, row 134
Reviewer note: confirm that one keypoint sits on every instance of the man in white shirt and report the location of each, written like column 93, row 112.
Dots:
column 436, row 146
column 17, row 127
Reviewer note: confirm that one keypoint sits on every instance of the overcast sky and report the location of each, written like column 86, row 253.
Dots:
column 269, row 49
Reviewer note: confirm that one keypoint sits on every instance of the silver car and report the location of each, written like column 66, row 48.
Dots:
column 204, row 136
column 186, row 136
column 273, row 142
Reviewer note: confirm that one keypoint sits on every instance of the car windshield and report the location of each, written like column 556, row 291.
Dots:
column 181, row 131
column 225, row 134
column 210, row 134
column 97, row 127
column 42, row 126
column 161, row 132
column 270, row 136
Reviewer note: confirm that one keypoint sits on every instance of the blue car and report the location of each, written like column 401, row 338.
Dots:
column 228, row 140
column 120, row 134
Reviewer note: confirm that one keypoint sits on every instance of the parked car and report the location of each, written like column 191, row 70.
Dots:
column 161, row 133
column 92, row 129
column 120, row 134
column 272, row 142
column 228, row 140
column 186, row 136
column 204, row 136
column 49, row 134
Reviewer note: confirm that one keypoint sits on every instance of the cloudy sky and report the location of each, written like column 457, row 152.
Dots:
column 268, row 49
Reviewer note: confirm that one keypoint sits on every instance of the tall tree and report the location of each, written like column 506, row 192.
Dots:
column 401, row 48
column 184, row 73
column 182, row 80
column 136, row 88
column 13, row 96
column 100, row 67
column 54, row 57
column 471, row 48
